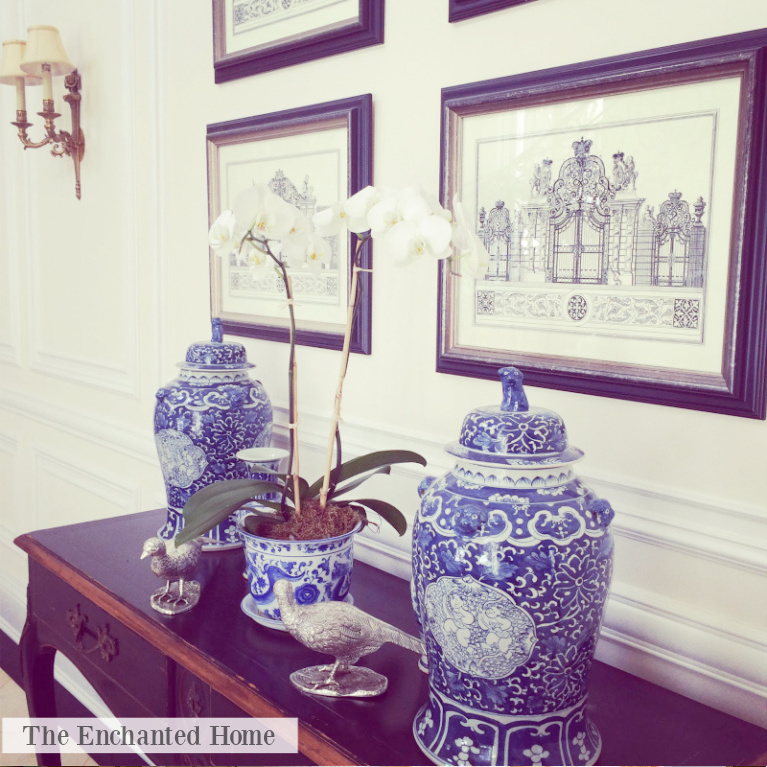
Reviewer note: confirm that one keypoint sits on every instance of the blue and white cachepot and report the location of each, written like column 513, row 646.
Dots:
column 319, row 571
column 201, row 420
column 512, row 559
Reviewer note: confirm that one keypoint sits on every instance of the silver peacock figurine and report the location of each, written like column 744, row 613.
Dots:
column 345, row 632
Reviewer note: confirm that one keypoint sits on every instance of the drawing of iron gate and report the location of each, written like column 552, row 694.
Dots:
column 579, row 224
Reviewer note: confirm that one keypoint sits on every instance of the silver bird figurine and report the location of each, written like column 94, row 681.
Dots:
column 345, row 632
column 177, row 568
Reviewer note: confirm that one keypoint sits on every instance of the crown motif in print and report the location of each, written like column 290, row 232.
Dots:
column 582, row 148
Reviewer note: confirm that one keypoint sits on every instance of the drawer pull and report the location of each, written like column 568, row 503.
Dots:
column 105, row 643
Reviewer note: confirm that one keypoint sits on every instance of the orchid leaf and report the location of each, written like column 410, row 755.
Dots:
column 368, row 462
column 357, row 482
column 385, row 510
column 214, row 503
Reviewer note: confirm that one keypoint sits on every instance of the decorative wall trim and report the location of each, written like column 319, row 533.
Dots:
column 13, row 199
column 9, row 446
column 87, row 371
column 659, row 516
column 670, row 643
column 130, row 441
column 14, row 610
column 47, row 463
column 688, row 653
column 695, row 525
column 115, row 375
column 9, row 354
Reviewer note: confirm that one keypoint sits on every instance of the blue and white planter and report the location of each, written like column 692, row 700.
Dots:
column 201, row 420
column 512, row 559
column 320, row 571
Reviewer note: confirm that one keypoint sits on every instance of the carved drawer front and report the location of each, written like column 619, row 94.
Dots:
column 192, row 695
column 113, row 657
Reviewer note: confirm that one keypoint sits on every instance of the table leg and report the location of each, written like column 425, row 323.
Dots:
column 37, row 672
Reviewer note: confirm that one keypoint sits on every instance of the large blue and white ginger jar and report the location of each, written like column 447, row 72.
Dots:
column 512, row 559
column 202, row 419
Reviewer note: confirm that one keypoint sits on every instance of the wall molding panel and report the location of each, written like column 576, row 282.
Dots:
column 663, row 517
column 682, row 651
column 649, row 634
column 52, row 465
column 130, row 441
column 116, row 372
column 10, row 450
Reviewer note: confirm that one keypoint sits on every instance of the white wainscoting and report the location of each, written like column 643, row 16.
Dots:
column 659, row 636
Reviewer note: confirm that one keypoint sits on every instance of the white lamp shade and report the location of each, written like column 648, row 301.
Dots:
column 10, row 69
column 44, row 47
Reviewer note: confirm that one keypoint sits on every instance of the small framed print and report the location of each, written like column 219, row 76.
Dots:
column 622, row 203
column 312, row 157
column 253, row 36
column 466, row 9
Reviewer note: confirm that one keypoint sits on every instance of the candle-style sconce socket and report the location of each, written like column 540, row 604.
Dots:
column 37, row 61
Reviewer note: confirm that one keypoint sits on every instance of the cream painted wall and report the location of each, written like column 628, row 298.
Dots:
column 100, row 297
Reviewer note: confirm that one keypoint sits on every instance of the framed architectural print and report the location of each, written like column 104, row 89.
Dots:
column 312, row 157
column 623, row 206
column 465, row 9
column 252, row 36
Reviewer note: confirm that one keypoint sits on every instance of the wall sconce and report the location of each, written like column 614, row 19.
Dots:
column 36, row 61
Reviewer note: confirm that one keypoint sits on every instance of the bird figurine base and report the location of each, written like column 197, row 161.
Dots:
column 353, row 682
column 168, row 601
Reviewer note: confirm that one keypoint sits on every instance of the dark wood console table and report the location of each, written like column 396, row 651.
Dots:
column 89, row 599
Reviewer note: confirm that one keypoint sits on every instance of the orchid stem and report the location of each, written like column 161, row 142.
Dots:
column 342, row 373
column 293, row 469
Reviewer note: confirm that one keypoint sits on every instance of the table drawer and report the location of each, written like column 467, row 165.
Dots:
column 108, row 653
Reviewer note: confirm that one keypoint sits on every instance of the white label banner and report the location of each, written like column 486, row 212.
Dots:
column 155, row 735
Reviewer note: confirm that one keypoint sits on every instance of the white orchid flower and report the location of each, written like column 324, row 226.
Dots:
column 410, row 239
column 351, row 215
column 318, row 252
column 221, row 237
column 294, row 243
column 435, row 206
column 357, row 208
column 330, row 221
column 393, row 207
column 256, row 259
column 264, row 214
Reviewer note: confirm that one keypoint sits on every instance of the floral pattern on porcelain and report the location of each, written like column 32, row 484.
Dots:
column 511, row 569
column 538, row 432
column 565, row 737
column 201, row 420
column 320, row 570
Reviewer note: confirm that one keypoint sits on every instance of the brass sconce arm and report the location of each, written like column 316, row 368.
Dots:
column 37, row 61
column 62, row 143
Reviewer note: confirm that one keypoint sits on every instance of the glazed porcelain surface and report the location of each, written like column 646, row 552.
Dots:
column 319, row 571
column 202, row 419
column 512, row 559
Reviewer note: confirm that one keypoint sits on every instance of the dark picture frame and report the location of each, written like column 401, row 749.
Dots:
column 458, row 10
column 313, row 156
column 248, row 43
column 703, row 344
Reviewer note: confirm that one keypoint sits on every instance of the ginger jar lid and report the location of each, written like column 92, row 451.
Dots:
column 216, row 354
column 513, row 433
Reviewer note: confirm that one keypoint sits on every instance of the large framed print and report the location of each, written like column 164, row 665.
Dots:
column 466, row 9
column 253, row 36
column 312, row 157
column 623, row 205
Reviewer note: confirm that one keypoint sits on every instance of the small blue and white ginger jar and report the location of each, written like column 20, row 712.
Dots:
column 202, row 420
column 512, row 560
